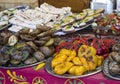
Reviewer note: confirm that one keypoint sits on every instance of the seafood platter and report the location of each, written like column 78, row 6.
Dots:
column 72, row 45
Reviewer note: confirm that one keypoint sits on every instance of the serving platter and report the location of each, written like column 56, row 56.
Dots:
column 19, row 66
column 50, row 71
column 106, row 70
column 5, row 27
column 76, row 29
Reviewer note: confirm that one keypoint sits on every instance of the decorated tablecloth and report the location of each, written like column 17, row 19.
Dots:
column 32, row 76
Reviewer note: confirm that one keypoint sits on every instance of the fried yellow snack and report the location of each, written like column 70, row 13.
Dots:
column 85, row 63
column 62, row 68
column 100, row 60
column 77, row 70
column 76, row 61
column 72, row 55
column 65, row 52
column 60, row 58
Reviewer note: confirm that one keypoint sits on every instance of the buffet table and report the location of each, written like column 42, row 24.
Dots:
column 73, row 50
column 31, row 76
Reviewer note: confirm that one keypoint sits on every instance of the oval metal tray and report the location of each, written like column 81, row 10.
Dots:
column 50, row 71
column 60, row 33
column 20, row 67
column 5, row 27
column 106, row 70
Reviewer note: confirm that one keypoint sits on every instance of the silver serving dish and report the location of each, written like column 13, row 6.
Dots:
column 20, row 67
column 61, row 32
column 50, row 71
column 5, row 27
column 106, row 70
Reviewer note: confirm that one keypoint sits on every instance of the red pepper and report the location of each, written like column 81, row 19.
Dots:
column 67, row 45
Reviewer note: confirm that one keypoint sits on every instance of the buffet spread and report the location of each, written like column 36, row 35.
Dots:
column 70, row 45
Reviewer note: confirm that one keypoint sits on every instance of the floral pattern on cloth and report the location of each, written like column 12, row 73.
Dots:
column 74, row 81
column 17, row 79
column 2, row 78
column 39, row 80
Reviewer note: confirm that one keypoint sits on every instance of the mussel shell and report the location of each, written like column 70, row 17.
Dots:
column 5, row 34
column 6, row 49
column 114, row 56
column 30, row 60
column 17, row 55
column 4, row 59
column 14, row 61
column 24, row 31
column 114, row 68
column 44, row 34
column 32, row 45
column 35, row 32
column 46, row 51
column 1, row 41
column 20, row 45
column 27, row 37
column 25, row 55
column 116, row 47
column 43, row 28
column 47, row 38
column 28, row 49
column 39, row 42
column 39, row 55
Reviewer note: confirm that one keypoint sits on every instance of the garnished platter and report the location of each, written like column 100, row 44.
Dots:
column 50, row 71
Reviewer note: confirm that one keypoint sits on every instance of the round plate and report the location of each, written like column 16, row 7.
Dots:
column 50, row 71
column 106, row 70
column 23, row 66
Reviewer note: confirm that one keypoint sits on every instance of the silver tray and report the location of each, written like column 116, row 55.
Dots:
column 59, row 33
column 106, row 71
column 20, row 67
column 5, row 27
column 50, row 71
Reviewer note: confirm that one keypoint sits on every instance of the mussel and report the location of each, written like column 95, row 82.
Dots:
column 46, row 51
column 39, row 55
column 46, row 33
column 39, row 42
column 27, row 37
column 30, row 60
column 17, row 55
column 114, row 68
column 47, row 38
column 4, row 58
column 35, row 32
column 25, row 55
column 114, row 56
column 43, row 28
column 32, row 45
column 24, row 31
column 116, row 47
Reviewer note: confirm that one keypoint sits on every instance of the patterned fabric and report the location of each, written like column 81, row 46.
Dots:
column 32, row 76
